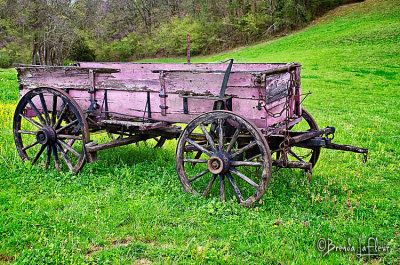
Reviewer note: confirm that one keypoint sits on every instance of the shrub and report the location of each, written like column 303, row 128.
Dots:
column 172, row 36
column 80, row 51
column 5, row 60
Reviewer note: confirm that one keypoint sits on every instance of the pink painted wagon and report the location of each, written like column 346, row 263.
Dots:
column 239, row 120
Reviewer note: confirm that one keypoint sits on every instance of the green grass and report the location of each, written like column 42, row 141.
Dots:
column 129, row 207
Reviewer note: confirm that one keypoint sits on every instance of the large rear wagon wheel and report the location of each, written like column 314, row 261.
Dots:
column 50, row 128
column 223, row 147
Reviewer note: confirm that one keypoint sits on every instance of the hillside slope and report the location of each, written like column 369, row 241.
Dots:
column 350, row 62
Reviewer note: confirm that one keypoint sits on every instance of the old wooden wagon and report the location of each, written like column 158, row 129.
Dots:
column 233, row 122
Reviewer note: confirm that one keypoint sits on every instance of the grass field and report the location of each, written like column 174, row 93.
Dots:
column 129, row 207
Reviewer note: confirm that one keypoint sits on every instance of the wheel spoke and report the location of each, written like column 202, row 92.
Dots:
column 198, row 155
column 254, row 157
column 31, row 121
column 54, row 113
column 189, row 148
column 44, row 107
column 62, row 108
column 295, row 155
column 243, row 149
column 208, row 137
column 38, row 154
column 221, row 135
column 30, row 146
column 61, row 116
column 222, row 187
column 56, row 160
column 199, row 147
column 64, row 156
column 199, row 175
column 35, row 109
column 194, row 160
column 234, row 139
column 246, row 164
column 76, row 129
column 244, row 177
column 27, row 132
column 66, row 136
column 208, row 188
column 71, row 142
column 68, row 147
column 234, row 186
column 48, row 156
column 66, row 126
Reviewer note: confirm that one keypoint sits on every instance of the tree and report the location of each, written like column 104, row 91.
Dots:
column 51, row 31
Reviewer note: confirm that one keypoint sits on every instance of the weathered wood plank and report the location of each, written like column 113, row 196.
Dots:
column 292, row 164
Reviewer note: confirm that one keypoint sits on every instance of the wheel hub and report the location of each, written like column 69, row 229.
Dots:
column 46, row 136
column 219, row 163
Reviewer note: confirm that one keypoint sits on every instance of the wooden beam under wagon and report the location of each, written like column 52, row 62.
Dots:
column 119, row 142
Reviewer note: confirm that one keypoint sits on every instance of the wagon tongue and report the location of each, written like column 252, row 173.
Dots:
column 355, row 149
column 313, row 139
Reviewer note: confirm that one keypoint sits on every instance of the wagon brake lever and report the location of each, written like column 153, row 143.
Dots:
column 219, row 104
column 227, row 60
column 226, row 79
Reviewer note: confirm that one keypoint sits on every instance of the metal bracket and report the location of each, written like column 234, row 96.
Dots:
column 163, row 95
column 147, row 107
column 185, row 106
column 93, row 105
column 228, row 104
column 259, row 80
column 92, row 90
column 260, row 105
column 106, row 103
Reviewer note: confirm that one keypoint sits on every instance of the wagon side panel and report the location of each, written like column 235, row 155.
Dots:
column 187, row 93
column 247, row 94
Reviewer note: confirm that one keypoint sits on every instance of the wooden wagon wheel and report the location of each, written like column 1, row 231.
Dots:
column 49, row 124
column 300, row 153
column 223, row 157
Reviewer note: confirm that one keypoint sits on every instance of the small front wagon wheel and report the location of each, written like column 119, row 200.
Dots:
column 310, row 155
column 50, row 128
column 223, row 147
